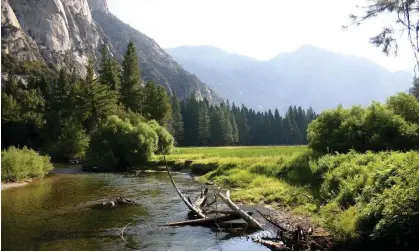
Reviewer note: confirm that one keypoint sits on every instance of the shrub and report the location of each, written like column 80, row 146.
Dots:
column 19, row 164
column 378, row 193
column 379, row 127
column 118, row 145
column 406, row 106
column 72, row 143
column 166, row 140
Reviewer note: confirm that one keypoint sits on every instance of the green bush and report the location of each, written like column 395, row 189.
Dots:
column 72, row 143
column 406, row 106
column 379, row 127
column 19, row 164
column 377, row 192
column 118, row 145
column 166, row 140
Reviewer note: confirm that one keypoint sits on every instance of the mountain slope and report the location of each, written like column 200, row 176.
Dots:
column 65, row 33
column 309, row 76
column 155, row 63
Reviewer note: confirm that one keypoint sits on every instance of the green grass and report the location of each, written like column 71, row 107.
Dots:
column 250, row 172
column 369, row 197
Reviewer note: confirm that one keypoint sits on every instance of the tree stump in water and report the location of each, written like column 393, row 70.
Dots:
column 188, row 163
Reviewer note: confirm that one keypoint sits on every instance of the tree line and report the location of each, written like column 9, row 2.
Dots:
column 199, row 123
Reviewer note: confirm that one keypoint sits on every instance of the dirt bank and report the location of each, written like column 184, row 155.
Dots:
column 9, row 185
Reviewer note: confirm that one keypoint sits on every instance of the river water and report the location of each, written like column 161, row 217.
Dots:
column 56, row 214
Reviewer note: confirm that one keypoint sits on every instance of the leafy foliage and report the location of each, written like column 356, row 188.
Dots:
column 165, row 140
column 118, row 145
column 19, row 164
column 21, row 114
column 72, row 143
column 377, row 192
column 379, row 127
column 406, row 18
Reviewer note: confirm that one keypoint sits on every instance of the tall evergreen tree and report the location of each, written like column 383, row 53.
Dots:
column 131, row 89
column 176, row 123
column 242, row 126
column 277, row 128
column 96, row 101
column 203, row 124
column 190, row 120
column 156, row 103
column 415, row 89
column 109, row 72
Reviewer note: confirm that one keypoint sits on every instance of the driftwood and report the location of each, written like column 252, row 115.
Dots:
column 208, row 220
column 225, row 212
column 193, row 209
column 287, row 238
column 252, row 222
column 276, row 246
column 115, row 202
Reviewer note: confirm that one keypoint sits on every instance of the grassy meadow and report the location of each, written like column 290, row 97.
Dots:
column 352, row 194
column 250, row 172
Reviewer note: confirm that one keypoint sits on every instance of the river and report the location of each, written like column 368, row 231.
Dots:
column 56, row 214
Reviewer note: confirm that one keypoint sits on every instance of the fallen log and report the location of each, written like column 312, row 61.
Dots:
column 120, row 201
column 225, row 212
column 276, row 246
column 226, row 198
column 206, row 221
column 191, row 207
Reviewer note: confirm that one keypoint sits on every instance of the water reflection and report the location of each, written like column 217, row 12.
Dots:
column 56, row 214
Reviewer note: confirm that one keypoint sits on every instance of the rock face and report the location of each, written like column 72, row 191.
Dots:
column 64, row 30
column 13, row 39
column 64, row 33
column 99, row 5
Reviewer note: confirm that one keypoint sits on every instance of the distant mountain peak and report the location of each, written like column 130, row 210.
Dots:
column 308, row 76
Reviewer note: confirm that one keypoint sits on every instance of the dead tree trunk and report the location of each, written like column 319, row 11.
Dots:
column 207, row 220
column 252, row 222
column 191, row 207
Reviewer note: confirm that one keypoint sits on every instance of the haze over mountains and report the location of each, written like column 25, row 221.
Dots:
column 309, row 76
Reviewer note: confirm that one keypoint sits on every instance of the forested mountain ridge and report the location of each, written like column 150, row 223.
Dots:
column 67, row 33
column 309, row 76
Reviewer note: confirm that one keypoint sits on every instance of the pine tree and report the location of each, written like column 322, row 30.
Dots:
column 22, row 114
column 190, row 119
column 203, row 124
column 156, row 103
column 293, row 135
column 415, row 89
column 150, row 97
column 216, row 125
column 235, row 131
column 109, row 72
column 242, row 126
column 176, row 125
column 277, row 128
column 96, row 101
column 131, row 89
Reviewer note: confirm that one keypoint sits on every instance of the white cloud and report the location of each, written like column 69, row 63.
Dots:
column 259, row 28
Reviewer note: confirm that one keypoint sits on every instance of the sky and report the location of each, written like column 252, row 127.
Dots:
column 261, row 29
